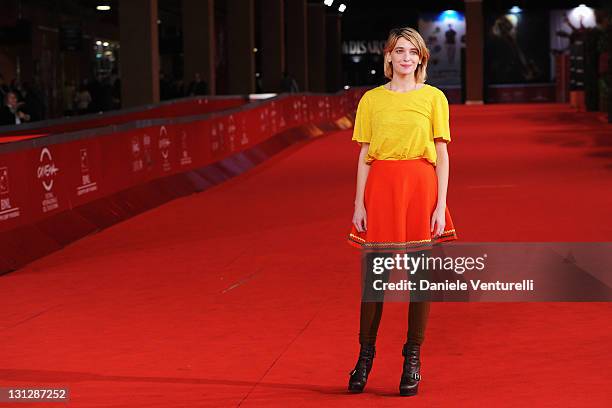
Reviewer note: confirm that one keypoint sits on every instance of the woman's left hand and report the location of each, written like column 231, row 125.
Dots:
column 438, row 222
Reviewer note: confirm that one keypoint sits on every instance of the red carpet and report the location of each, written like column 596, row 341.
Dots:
column 247, row 294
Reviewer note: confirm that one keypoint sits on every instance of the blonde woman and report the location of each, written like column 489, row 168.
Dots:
column 402, row 180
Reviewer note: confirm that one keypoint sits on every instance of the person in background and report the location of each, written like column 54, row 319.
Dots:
column 178, row 89
column 289, row 84
column 94, row 87
column 69, row 97
column 4, row 89
column 82, row 100
column 106, row 94
column 165, row 87
column 16, row 89
column 34, row 102
column 10, row 113
column 197, row 86
column 117, row 93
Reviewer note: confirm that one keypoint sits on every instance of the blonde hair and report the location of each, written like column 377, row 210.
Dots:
column 412, row 35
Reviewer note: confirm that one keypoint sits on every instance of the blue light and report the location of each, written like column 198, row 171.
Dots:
column 515, row 10
column 449, row 16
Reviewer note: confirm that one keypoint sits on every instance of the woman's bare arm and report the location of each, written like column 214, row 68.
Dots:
column 363, row 169
column 438, row 220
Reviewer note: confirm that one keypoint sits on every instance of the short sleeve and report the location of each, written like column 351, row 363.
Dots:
column 362, row 131
column 440, row 117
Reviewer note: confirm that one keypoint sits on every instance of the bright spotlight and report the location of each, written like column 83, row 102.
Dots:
column 342, row 7
column 103, row 7
column 449, row 16
column 373, row 72
column 328, row 3
column 582, row 16
column 516, row 10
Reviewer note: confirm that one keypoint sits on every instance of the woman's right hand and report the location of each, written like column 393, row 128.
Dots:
column 360, row 218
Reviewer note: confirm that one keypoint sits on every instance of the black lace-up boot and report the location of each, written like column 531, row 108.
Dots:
column 411, row 374
column 359, row 375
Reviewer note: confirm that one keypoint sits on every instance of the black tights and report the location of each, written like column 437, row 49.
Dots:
column 371, row 312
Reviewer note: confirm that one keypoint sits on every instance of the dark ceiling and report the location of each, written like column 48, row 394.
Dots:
column 170, row 10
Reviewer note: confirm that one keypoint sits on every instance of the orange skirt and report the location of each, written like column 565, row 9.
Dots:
column 400, row 198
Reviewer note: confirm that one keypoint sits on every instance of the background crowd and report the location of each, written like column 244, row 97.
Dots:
column 24, row 102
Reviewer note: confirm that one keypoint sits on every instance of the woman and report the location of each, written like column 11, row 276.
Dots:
column 402, row 179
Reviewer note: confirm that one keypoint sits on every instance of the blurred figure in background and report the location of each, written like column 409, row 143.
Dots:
column 4, row 89
column 197, row 86
column 117, row 93
column 10, row 113
column 34, row 102
column 165, row 87
column 69, row 95
column 82, row 100
column 178, row 89
column 289, row 84
column 95, row 93
column 106, row 94
column 16, row 89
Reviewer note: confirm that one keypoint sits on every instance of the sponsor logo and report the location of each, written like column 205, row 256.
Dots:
column 263, row 122
column 163, row 144
column 297, row 110
column 244, row 139
column 217, row 136
column 46, row 169
column 87, row 185
column 4, row 180
column 7, row 211
column 231, row 131
column 137, row 163
column 146, row 147
column 185, row 158
column 273, row 118
column 46, row 174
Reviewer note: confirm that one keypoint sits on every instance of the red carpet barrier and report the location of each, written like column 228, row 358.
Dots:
column 56, row 189
column 170, row 109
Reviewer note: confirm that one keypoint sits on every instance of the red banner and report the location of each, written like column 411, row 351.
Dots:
column 55, row 192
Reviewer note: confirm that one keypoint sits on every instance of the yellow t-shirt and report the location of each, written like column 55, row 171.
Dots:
column 402, row 125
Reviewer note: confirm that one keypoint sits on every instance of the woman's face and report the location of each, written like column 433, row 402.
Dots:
column 404, row 57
